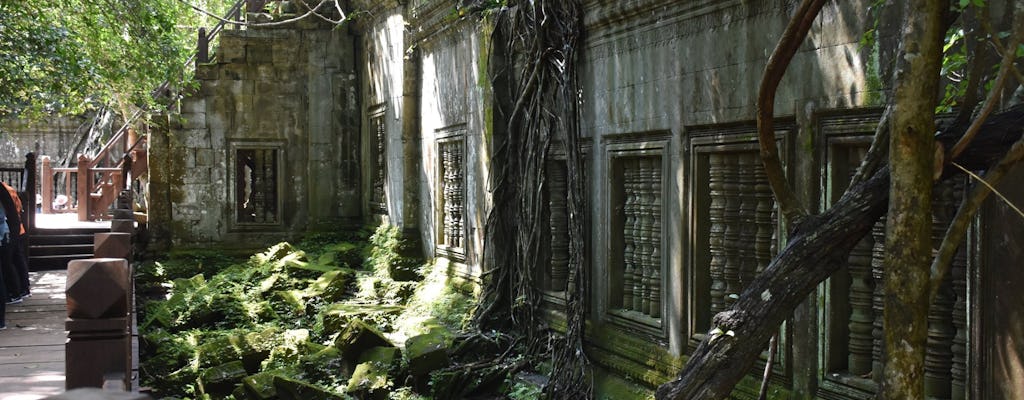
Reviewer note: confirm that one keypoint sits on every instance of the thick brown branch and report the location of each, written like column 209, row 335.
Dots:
column 717, row 364
column 789, row 206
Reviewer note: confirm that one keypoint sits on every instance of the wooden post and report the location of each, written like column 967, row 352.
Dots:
column 29, row 187
column 98, row 324
column 203, row 48
column 84, row 183
column 47, row 185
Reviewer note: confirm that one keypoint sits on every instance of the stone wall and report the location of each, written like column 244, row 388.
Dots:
column 395, row 123
column 454, row 133
column 268, row 145
column 52, row 137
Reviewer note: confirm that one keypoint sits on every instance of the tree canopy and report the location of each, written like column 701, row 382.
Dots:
column 64, row 57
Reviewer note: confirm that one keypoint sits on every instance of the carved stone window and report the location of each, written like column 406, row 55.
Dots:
column 256, row 184
column 378, row 197
column 636, row 264
column 556, row 276
column 733, row 227
column 852, row 334
column 451, row 169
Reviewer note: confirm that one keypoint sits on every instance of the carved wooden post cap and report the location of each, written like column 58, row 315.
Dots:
column 122, row 225
column 112, row 245
column 97, row 288
column 123, row 213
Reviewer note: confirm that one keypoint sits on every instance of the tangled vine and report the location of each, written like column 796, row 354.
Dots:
column 533, row 63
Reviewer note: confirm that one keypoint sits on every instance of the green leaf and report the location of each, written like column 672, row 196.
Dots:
column 1020, row 50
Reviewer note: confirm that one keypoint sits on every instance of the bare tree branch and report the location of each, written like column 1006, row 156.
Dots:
column 958, row 227
column 990, row 102
column 789, row 206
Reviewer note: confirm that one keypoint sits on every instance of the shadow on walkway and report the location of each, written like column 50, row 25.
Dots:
column 32, row 347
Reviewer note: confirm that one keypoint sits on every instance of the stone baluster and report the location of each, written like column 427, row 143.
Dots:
column 458, row 195
column 763, row 219
column 379, row 202
column 862, row 317
column 446, row 193
column 559, row 225
column 646, row 235
column 938, row 362
column 958, row 274
column 258, row 196
column 733, row 224
column 877, row 299
column 638, row 237
column 655, row 207
column 747, row 212
column 629, row 234
column 716, row 235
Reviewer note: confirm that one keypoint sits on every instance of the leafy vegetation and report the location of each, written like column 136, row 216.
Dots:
column 69, row 56
column 277, row 323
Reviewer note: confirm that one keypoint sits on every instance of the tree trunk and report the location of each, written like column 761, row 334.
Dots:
column 908, row 229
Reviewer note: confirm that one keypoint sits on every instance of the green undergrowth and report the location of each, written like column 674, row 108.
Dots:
column 275, row 324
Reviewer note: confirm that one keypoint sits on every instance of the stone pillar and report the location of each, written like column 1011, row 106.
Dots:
column 98, row 327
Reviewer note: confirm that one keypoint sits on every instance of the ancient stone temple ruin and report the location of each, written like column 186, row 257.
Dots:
column 392, row 118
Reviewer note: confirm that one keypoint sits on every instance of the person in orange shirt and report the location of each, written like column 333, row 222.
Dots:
column 15, row 265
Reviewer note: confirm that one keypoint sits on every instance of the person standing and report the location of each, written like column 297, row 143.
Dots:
column 4, row 239
column 16, row 254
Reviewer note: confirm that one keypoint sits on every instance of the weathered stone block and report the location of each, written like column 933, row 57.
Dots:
column 370, row 380
column 193, row 120
column 98, row 288
column 251, row 349
column 357, row 337
column 232, row 48
column 205, row 157
column 112, row 245
column 336, row 317
column 428, row 352
column 219, row 381
column 259, row 386
column 197, row 138
column 293, row 389
column 258, row 53
column 196, row 175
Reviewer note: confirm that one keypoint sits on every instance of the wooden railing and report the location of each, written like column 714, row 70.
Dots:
column 91, row 188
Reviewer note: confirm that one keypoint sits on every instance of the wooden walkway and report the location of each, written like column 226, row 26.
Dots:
column 32, row 347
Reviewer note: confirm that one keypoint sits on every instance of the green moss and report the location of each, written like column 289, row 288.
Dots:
column 221, row 380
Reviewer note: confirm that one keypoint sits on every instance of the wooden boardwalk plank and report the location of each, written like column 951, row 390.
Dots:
column 32, row 347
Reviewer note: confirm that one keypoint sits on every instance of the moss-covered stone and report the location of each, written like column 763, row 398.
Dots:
column 259, row 386
column 293, row 301
column 358, row 337
column 321, row 364
column 250, row 348
column 336, row 317
column 294, row 389
column 221, row 380
column 428, row 352
column 371, row 378
column 332, row 285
